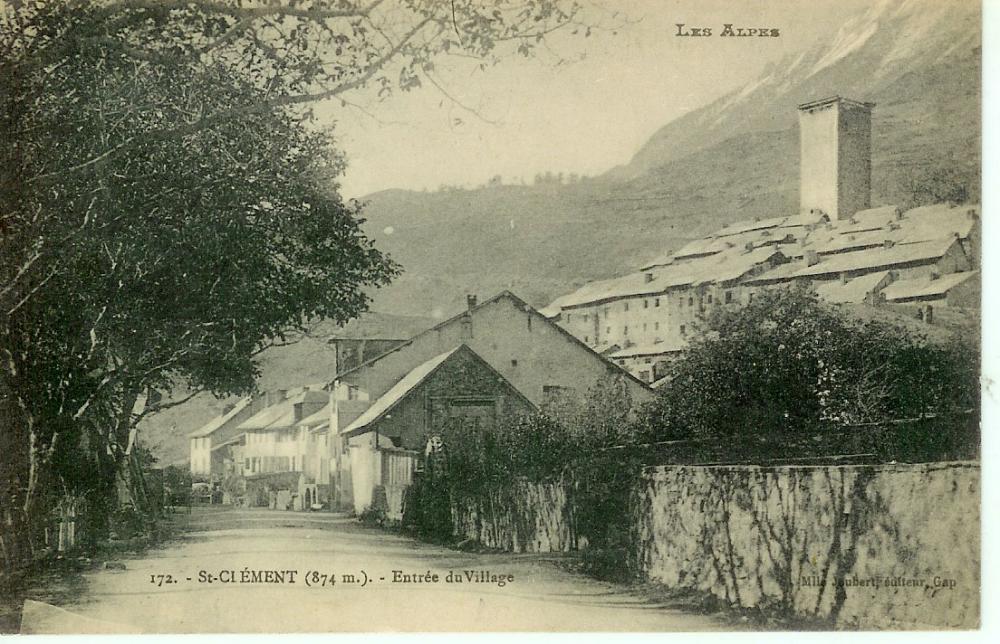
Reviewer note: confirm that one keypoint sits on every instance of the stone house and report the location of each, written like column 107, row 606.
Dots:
column 456, row 389
column 539, row 359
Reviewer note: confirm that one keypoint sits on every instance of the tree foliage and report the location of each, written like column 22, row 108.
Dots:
column 789, row 362
column 168, row 208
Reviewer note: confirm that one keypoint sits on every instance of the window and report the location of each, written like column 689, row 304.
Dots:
column 683, row 330
column 513, row 363
column 709, row 298
column 625, row 331
column 626, row 306
column 608, row 331
column 644, row 376
column 647, row 360
column 568, row 318
column 690, row 301
column 584, row 317
column 656, row 326
column 729, row 297
column 749, row 297
column 645, row 304
column 643, row 326
column 656, row 302
column 586, row 338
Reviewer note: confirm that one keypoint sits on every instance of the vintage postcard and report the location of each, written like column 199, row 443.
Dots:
column 367, row 316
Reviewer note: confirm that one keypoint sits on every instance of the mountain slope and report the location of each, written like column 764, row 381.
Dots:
column 736, row 158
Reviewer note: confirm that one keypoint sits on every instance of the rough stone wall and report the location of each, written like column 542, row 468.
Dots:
column 815, row 541
column 528, row 517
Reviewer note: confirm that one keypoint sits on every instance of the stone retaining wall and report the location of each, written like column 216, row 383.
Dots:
column 889, row 546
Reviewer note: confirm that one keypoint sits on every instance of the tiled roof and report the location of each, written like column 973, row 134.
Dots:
column 925, row 286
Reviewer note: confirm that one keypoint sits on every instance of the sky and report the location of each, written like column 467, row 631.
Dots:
column 584, row 115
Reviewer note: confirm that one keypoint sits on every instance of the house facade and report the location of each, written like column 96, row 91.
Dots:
column 454, row 390
column 540, row 360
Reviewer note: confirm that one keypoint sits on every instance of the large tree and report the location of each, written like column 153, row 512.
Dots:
column 168, row 208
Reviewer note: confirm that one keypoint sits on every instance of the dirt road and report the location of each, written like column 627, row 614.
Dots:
column 264, row 571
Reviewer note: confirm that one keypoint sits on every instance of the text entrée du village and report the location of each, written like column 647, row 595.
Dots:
column 319, row 579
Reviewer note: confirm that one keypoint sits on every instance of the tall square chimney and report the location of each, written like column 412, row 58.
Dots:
column 836, row 168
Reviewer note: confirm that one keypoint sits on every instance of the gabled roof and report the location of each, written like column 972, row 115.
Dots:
column 875, row 258
column 397, row 392
column 282, row 413
column 721, row 267
column 738, row 227
column 853, row 291
column 318, row 418
column 411, row 381
column 211, row 426
column 936, row 221
column 519, row 303
column 852, row 241
column 239, row 438
column 925, row 286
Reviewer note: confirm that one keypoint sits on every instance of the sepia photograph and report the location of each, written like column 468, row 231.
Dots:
column 479, row 316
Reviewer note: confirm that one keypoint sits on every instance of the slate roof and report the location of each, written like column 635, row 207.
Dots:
column 317, row 418
column 282, row 414
column 721, row 267
column 235, row 439
column 655, row 349
column 853, row 291
column 211, row 426
column 397, row 392
column 878, row 258
column 925, row 286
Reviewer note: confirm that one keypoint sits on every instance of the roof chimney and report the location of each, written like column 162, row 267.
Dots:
column 470, row 301
column 811, row 257
column 836, row 166
column 887, row 244
column 648, row 277
column 843, row 278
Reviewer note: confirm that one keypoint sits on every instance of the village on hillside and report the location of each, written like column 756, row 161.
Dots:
column 258, row 376
column 357, row 439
